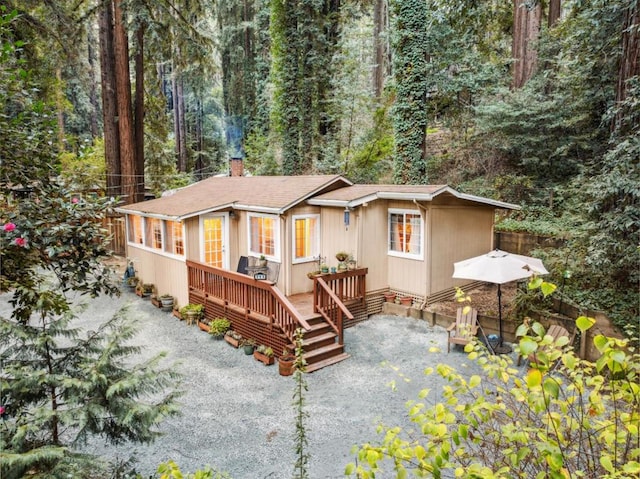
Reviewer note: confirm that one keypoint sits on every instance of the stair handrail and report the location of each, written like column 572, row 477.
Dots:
column 243, row 279
column 337, row 303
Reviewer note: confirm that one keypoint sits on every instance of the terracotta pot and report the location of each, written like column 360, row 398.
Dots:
column 285, row 365
column 232, row 341
column 390, row 297
column 203, row 326
column 406, row 300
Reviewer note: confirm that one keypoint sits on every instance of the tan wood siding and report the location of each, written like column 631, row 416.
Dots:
column 169, row 275
column 457, row 233
column 372, row 247
column 192, row 235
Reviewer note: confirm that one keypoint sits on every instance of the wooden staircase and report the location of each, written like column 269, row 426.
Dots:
column 320, row 345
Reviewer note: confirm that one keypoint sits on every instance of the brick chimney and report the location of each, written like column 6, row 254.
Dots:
column 237, row 167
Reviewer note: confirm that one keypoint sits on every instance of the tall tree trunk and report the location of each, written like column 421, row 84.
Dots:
column 125, row 111
column 139, row 113
column 199, row 166
column 526, row 29
column 109, row 101
column 629, row 66
column 179, row 122
column 380, row 46
column 93, row 97
column 555, row 9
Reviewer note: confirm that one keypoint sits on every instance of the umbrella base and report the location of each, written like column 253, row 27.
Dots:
column 502, row 349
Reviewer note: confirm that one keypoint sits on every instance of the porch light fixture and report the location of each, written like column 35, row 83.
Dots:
column 347, row 217
column 232, row 214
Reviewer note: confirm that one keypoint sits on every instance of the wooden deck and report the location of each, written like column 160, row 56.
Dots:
column 259, row 311
column 303, row 302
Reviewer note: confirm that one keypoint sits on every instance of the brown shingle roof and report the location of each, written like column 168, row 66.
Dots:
column 266, row 193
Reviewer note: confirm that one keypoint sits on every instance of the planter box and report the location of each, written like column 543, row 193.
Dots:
column 267, row 360
column 155, row 302
column 177, row 314
column 204, row 326
column 232, row 341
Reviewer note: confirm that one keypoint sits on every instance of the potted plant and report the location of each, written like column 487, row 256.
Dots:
column 285, row 363
column 233, row 338
column 390, row 297
column 218, row 327
column 264, row 354
column 192, row 312
column 248, row 345
column 324, row 268
column 132, row 282
column 351, row 263
column 147, row 290
column 342, row 256
column 166, row 300
column 262, row 261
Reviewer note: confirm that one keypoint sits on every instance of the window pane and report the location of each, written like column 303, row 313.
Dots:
column 213, row 246
column 135, row 229
column 306, row 237
column 174, row 241
column 262, row 235
column 405, row 233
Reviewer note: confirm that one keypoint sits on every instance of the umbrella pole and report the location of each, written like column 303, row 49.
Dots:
column 500, row 312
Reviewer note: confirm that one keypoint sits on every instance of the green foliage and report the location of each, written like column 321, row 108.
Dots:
column 409, row 41
column 171, row 470
column 566, row 417
column 86, row 170
column 301, row 467
column 219, row 326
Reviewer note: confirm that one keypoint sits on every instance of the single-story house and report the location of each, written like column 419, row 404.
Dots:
column 403, row 238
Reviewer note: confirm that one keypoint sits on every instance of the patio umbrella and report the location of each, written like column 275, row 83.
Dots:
column 498, row 267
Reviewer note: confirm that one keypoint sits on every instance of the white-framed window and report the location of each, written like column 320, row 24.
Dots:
column 134, row 226
column 306, row 238
column 175, row 238
column 264, row 235
column 406, row 234
column 153, row 233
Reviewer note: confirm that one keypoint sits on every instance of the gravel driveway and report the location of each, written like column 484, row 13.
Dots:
column 238, row 414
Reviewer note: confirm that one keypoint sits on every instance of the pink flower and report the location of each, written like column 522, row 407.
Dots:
column 9, row 227
column 74, row 200
column 2, row 410
column 20, row 242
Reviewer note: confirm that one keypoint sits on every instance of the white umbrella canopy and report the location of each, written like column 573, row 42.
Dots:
column 498, row 267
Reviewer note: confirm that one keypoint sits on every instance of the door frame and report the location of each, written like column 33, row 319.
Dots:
column 225, row 237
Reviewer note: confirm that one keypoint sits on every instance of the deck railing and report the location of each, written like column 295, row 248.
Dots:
column 259, row 299
column 332, row 292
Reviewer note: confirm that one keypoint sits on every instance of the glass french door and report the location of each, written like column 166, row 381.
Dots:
column 214, row 233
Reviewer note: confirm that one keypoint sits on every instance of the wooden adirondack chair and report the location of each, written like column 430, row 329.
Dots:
column 555, row 332
column 464, row 329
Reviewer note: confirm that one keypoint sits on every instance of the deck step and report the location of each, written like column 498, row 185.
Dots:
column 324, row 352
column 318, row 341
column 327, row 362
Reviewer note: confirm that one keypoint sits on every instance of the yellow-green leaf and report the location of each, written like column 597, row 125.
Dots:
column 551, row 387
column 534, row 378
column 547, row 288
column 350, row 469
column 527, row 346
column 605, row 461
column 600, row 342
column 583, row 323
column 474, row 381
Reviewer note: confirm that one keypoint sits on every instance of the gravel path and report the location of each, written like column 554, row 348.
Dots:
column 237, row 413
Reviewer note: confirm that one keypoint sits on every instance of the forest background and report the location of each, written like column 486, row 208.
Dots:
column 531, row 102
